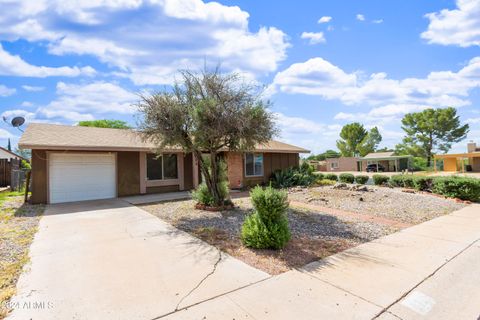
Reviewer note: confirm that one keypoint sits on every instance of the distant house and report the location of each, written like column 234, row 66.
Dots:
column 460, row 162
column 341, row 164
column 6, row 154
column 318, row 165
column 387, row 160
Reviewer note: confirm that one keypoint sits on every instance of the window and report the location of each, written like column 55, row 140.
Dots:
column 162, row 167
column 253, row 164
column 334, row 165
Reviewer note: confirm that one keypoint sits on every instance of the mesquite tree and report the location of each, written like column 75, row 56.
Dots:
column 207, row 113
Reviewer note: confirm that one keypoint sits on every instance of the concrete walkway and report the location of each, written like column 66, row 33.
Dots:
column 429, row 271
column 111, row 260
column 158, row 197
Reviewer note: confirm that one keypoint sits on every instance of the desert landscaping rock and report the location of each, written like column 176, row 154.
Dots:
column 379, row 201
column 315, row 235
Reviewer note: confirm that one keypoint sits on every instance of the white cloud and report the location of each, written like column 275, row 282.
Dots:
column 473, row 120
column 320, row 77
column 377, row 21
column 4, row 134
column 80, row 102
column 76, row 102
column 135, row 37
column 314, row 37
column 314, row 136
column 324, row 19
column 460, row 26
column 6, row 91
column 12, row 65
column 26, row 104
column 33, row 88
column 360, row 17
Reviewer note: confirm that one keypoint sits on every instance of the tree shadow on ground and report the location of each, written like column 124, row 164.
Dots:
column 314, row 236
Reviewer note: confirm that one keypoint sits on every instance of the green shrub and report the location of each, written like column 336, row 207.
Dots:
column 422, row 183
column 346, row 178
column 267, row 226
column 202, row 195
column 326, row 182
column 396, row 181
column 319, row 176
column 331, row 176
column 291, row 177
column 380, row 179
column 408, row 181
column 361, row 179
column 24, row 164
column 456, row 187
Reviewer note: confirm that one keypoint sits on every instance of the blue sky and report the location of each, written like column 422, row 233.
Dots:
column 323, row 63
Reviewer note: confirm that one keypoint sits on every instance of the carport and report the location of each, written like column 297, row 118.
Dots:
column 390, row 161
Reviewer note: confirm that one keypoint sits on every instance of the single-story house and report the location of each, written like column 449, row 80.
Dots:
column 390, row 161
column 73, row 163
column 460, row 162
column 318, row 165
column 7, row 154
column 341, row 164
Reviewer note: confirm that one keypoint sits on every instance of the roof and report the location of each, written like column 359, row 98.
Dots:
column 63, row 137
column 458, row 155
column 389, row 155
column 14, row 155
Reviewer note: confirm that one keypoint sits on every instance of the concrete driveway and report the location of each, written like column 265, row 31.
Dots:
column 111, row 260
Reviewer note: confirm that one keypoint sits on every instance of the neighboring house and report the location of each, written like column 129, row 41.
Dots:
column 388, row 160
column 73, row 163
column 6, row 154
column 318, row 165
column 341, row 164
column 469, row 161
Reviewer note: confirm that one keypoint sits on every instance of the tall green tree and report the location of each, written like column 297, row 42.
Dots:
column 9, row 145
column 370, row 142
column 207, row 112
column 431, row 131
column 356, row 140
column 325, row 155
column 105, row 123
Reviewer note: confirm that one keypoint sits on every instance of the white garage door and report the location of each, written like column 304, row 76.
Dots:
column 81, row 176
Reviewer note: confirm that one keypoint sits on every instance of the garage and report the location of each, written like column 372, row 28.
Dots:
column 81, row 176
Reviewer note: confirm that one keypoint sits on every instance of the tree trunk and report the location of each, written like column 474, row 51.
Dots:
column 211, row 176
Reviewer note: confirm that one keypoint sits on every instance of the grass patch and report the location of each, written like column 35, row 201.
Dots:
column 18, row 225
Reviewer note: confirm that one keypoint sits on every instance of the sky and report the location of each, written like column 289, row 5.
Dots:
column 323, row 64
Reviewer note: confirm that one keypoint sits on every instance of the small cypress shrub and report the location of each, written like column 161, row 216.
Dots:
column 331, row 176
column 267, row 227
column 380, row 179
column 361, row 179
column 346, row 178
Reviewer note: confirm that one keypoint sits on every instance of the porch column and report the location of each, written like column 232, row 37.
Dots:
column 143, row 172
column 463, row 164
column 181, row 177
column 435, row 164
column 195, row 171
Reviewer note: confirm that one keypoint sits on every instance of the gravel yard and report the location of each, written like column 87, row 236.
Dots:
column 18, row 224
column 314, row 235
column 379, row 201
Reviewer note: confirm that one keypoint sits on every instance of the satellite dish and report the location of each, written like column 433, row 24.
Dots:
column 17, row 122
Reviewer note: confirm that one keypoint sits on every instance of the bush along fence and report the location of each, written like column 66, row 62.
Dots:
column 453, row 187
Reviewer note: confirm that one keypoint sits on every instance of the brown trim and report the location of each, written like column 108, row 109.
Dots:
column 146, row 149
